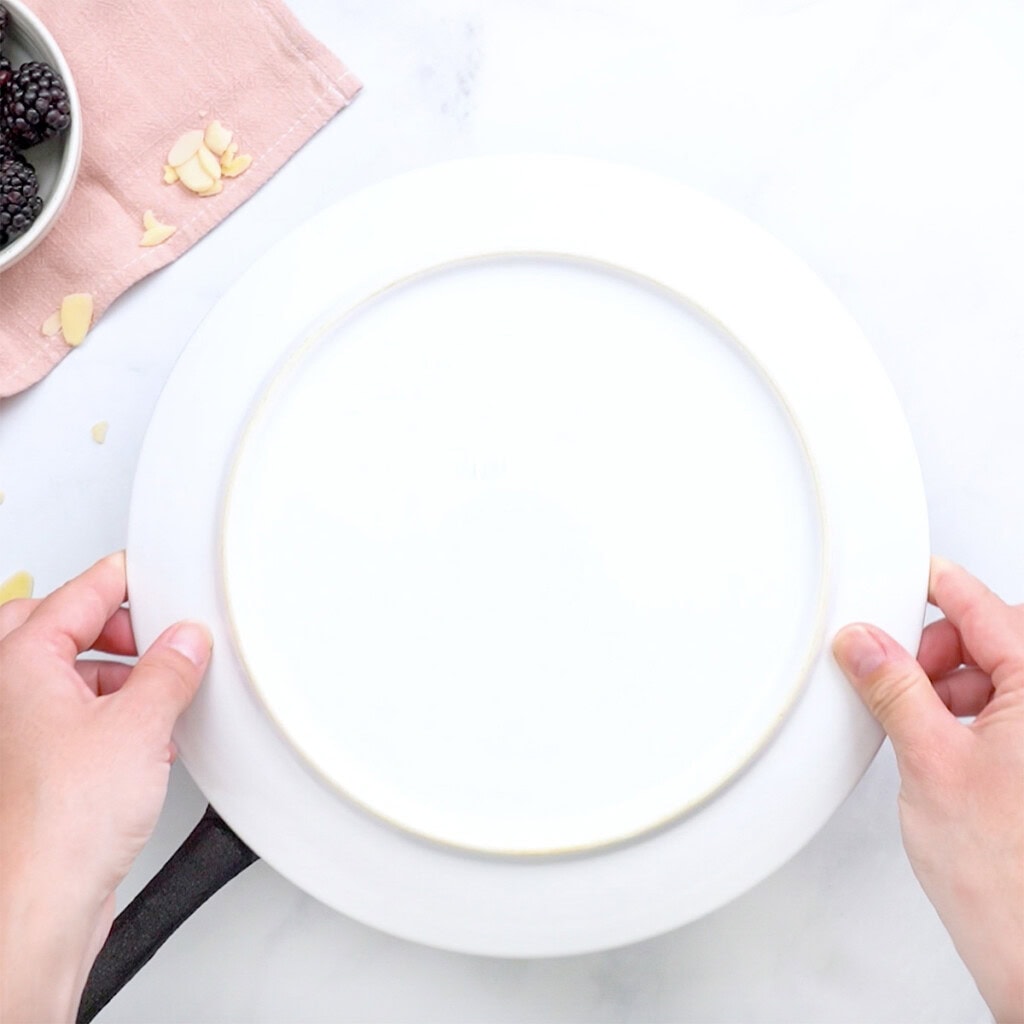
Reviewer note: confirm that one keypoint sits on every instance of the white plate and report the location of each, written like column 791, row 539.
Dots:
column 523, row 496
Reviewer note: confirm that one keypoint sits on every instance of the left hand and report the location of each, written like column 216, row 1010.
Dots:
column 85, row 757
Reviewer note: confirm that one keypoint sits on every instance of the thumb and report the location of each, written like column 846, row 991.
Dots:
column 167, row 676
column 892, row 684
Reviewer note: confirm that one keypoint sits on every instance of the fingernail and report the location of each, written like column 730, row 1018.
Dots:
column 193, row 640
column 939, row 567
column 858, row 651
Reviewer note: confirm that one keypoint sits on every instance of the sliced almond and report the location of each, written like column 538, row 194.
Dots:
column 156, row 231
column 76, row 317
column 157, row 235
column 170, row 175
column 99, row 431
column 237, row 166
column 193, row 176
column 209, row 162
column 51, row 325
column 1, row 497
column 185, row 147
column 229, row 154
column 214, row 190
column 17, row 586
column 217, row 137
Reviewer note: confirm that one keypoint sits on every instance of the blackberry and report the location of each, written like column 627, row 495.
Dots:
column 4, row 16
column 34, row 105
column 6, row 72
column 19, row 204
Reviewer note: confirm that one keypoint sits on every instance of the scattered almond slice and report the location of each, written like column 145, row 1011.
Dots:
column 99, row 431
column 186, row 147
column 155, row 231
column 229, row 154
column 199, row 159
column 17, row 586
column 76, row 317
column 237, row 166
column 157, row 235
column 192, row 175
column 51, row 325
column 1, row 497
column 209, row 162
column 217, row 138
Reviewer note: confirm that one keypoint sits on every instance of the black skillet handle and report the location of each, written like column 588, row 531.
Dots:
column 209, row 858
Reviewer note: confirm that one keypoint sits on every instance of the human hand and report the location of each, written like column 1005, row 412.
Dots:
column 961, row 798
column 85, row 756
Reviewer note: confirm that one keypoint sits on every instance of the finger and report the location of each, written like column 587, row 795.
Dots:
column 942, row 649
column 892, row 685
column 15, row 613
column 965, row 691
column 103, row 677
column 117, row 637
column 167, row 676
column 992, row 631
column 74, row 615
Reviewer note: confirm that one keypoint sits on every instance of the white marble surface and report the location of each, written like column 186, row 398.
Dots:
column 881, row 140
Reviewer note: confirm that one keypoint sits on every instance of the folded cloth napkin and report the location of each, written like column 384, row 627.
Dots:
column 147, row 71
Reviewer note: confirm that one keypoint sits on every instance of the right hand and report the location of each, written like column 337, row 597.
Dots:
column 961, row 795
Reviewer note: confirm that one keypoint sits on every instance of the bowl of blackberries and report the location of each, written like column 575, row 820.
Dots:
column 40, row 131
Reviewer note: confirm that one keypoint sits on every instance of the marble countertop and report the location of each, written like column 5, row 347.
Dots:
column 880, row 140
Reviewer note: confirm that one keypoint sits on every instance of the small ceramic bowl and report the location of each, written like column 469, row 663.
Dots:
column 56, row 160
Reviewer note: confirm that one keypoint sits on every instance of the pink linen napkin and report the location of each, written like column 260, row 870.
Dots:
column 148, row 71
